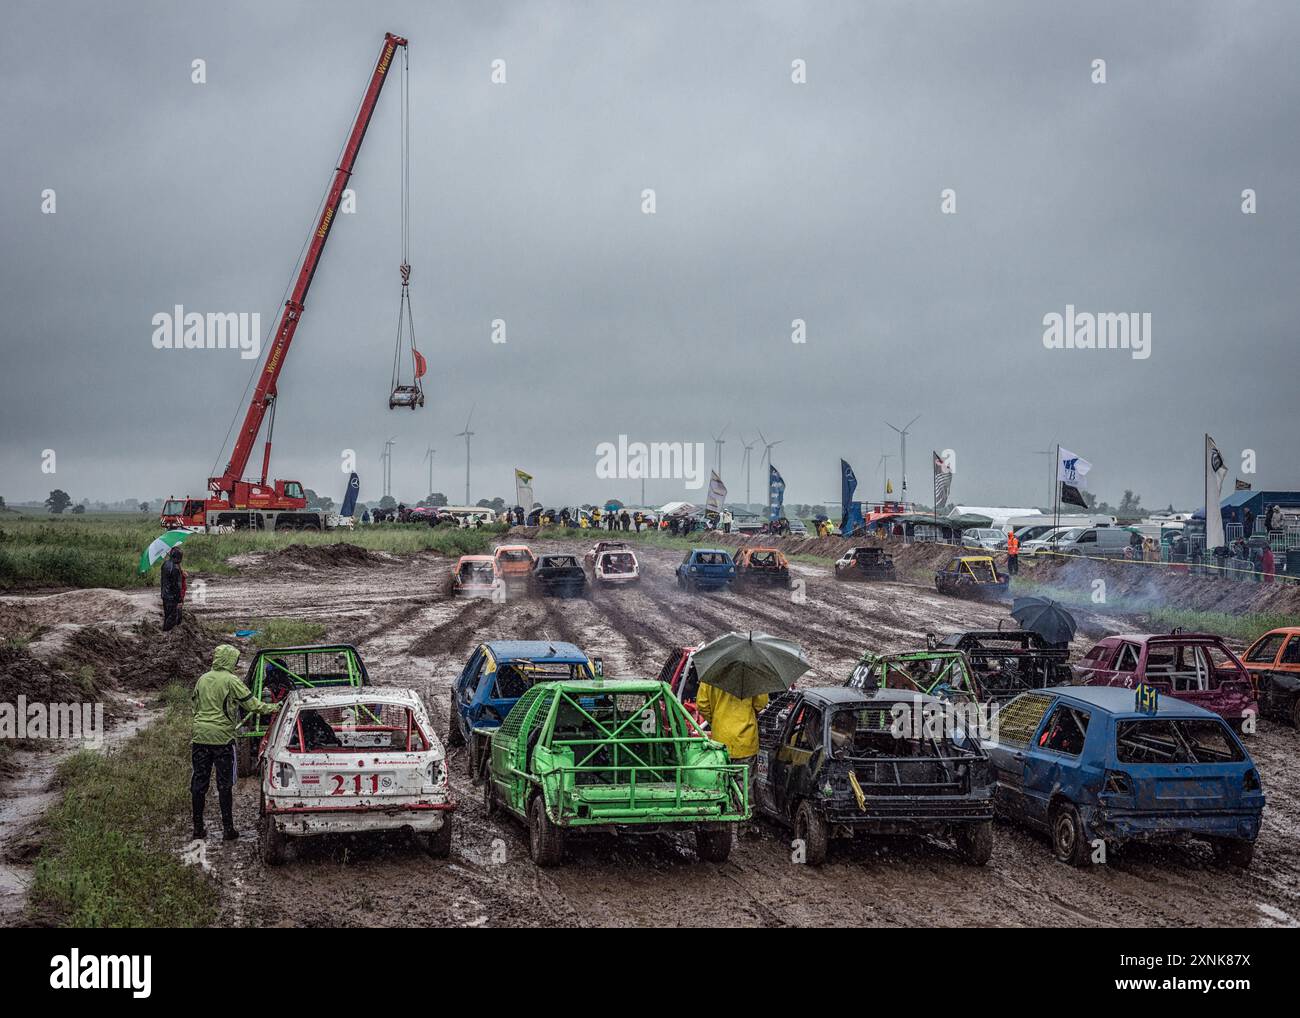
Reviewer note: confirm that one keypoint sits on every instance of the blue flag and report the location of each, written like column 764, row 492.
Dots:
column 775, row 494
column 350, row 496
column 851, row 517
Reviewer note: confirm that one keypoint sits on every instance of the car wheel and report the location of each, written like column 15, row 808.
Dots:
column 545, row 840
column 271, row 842
column 810, row 828
column 713, row 846
column 437, row 844
column 1295, row 713
column 1232, row 852
column 490, row 804
column 975, row 842
column 245, row 757
column 1067, row 836
column 455, row 737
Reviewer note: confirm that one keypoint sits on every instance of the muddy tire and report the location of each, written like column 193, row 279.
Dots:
column 1232, row 852
column 975, row 842
column 810, row 828
column 1295, row 714
column 472, row 763
column 454, row 735
column 437, row 844
column 1068, row 842
column 713, row 846
column 245, row 757
column 272, row 844
column 490, row 804
column 545, row 840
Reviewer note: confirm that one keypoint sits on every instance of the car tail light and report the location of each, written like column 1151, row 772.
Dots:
column 285, row 776
column 1251, row 781
column 1119, row 783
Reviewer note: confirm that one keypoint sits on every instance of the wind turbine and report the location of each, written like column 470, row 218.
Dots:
column 428, row 454
column 467, row 435
column 387, row 457
column 902, row 450
column 718, row 443
column 745, row 462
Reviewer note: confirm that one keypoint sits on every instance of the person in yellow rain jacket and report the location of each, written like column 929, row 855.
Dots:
column 734, row 723
column 218, row 698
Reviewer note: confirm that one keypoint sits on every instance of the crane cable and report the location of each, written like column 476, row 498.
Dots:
column 405, row 320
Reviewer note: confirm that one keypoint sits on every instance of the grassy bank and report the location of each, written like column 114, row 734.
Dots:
column 103, row 550
column 105, row 863
column 1243, row 628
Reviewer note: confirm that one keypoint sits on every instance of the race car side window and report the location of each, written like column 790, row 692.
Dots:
column 806, row 731
column 1291, row 653
column 1128, row 658
column 1065, row 730
column 1019, row 719
column 1266, row 650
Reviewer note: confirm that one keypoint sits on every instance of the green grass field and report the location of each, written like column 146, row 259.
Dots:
column 103, row 549
column 106, row 861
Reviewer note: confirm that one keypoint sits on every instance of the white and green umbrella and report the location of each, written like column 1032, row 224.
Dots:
column 160, row 547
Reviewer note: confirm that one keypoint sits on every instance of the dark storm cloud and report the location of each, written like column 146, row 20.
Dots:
column 775, row 201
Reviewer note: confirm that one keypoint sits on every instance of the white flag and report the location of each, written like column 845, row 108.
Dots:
column 1215, row 472
column 1072, row 469
column 717, row 493
column 523, row 489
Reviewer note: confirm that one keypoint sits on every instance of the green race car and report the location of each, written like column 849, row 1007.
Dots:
column 611, row 755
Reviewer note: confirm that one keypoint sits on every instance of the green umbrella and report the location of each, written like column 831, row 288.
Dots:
column 160, row 547
column 750, row 664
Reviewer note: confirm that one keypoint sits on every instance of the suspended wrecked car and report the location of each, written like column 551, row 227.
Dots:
column 403, row 394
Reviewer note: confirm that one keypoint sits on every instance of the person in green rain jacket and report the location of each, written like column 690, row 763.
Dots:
column 219, row 696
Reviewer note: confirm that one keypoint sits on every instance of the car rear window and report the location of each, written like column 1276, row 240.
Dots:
column 514, row 555
column 1157, row 740
column 1019, row 719
column 357, row 728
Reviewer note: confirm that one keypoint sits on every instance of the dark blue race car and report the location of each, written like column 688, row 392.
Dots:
column 706, row 569
column 1089, row 765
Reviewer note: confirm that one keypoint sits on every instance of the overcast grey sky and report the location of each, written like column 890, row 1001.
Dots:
column 775, row 201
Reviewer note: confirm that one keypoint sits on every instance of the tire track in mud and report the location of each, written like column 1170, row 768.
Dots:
column 458, row 623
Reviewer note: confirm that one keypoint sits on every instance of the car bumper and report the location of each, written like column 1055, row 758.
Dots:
column 306, row 821
column 1134, row 825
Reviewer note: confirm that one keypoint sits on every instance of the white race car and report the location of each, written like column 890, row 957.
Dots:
column 347, row 761
column 616, row 565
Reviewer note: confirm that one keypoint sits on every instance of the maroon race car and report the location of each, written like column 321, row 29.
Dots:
column 1195, row 667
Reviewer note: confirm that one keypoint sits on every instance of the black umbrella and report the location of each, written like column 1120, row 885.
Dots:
column 1045, row 617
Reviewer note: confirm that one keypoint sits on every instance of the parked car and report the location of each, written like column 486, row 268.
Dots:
column 1053, row 540
column 475, row 576
column 616, row 755
column 865, row 563
column 274, row 671
column 988, row 538
column 971, row 576
column 706, row 569
column 557, row 575
column 1274, row 664
column 616, row 566
column 514, row 563
column 760, row 564
column 496, row 675
column 1195, row 667
column 1084, row 764
column 346, row 760
column 1103, row 542
column 830, row 763
column 1008, row 662
column 945, row 674
column 797, row 528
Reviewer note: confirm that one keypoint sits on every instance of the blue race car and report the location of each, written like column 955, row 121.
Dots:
column 1088, row 764
column 706, row 569
column 497, row 674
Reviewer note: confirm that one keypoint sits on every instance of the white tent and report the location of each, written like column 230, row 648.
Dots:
column 999, row 514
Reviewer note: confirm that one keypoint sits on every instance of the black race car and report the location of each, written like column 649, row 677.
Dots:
column 837, row 761
column 1009, row 661
column 865, row 563
column 560, row 575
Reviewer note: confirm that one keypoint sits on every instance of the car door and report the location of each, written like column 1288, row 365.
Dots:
column 1018, row 724
column 796, row 757
column 1053, row 761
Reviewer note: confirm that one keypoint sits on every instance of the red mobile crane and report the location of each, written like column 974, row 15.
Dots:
column 281, row 504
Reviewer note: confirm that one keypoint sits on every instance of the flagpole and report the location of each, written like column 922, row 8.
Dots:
column 1056, row 502
column 1205, row 492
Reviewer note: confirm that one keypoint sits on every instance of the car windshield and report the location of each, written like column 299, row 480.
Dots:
column 1156, row 740
column 710, row 558
column 560, row 561
column 618, row 562
column 513, row 555
column 476, row 571
column 173, row 507
column 357, row 728
column 866, row 733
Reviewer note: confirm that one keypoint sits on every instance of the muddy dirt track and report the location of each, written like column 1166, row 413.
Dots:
column 412, row 633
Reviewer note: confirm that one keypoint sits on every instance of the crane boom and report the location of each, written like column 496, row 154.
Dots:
column 227, row 485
